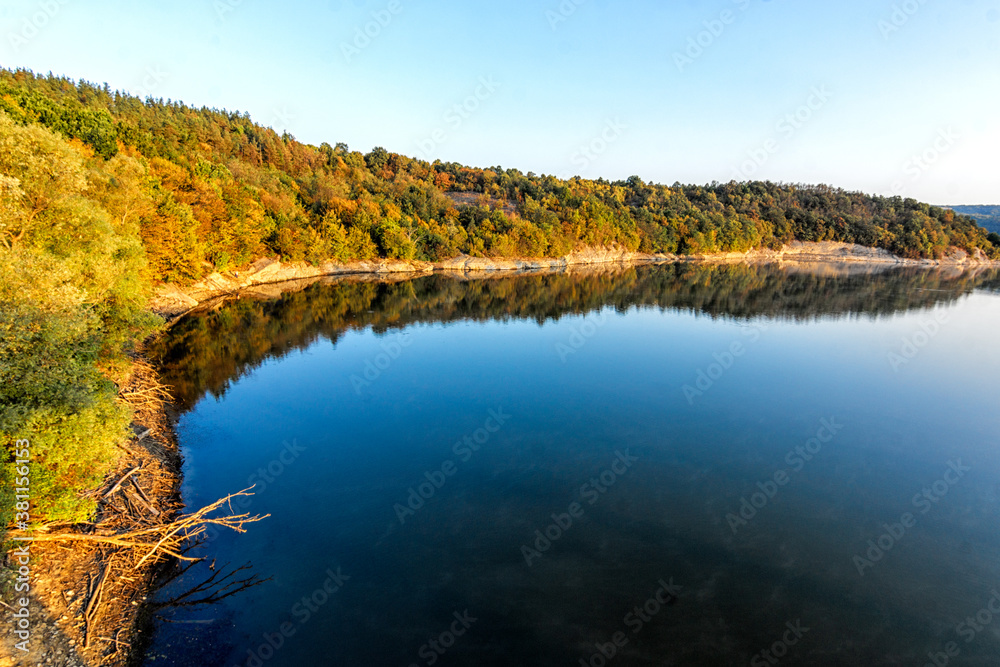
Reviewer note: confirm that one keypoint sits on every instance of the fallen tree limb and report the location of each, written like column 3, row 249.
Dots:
column 122, row 481
column 167, row 539
column 94, row 604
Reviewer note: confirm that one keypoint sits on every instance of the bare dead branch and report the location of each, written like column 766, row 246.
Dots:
column 122, row 480
column 167, row 539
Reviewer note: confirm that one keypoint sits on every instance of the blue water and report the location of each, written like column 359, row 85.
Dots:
column 709, row 473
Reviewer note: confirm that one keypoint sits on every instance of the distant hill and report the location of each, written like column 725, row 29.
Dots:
column 209, row 189
column 987, row 216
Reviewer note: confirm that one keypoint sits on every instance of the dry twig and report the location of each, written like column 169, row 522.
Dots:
column 163, row 539
column 122, row 480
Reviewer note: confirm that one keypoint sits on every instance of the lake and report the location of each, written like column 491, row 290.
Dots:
column 683, row 464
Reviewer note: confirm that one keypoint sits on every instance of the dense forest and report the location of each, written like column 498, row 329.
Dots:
column 212, row 189
column 103, row 194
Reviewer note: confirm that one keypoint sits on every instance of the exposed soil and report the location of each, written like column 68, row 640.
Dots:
column 88, row 602
column 173, row 301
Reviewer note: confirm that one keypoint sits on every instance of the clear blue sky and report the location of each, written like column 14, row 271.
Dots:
column 595, row 73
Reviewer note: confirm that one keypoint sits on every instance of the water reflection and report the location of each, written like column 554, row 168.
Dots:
column 206, row 351
column 525, row 507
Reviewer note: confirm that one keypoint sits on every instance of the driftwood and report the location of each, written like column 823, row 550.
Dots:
column 141, row 492
column 132, row 549
column 136, row 535
column 167, row 539
column 122, row 481
column 142, row 501
column 94, row 604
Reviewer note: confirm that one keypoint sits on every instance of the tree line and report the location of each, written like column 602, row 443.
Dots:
column 212, row 190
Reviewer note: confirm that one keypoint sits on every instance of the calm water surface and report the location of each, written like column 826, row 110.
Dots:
column 676, row 465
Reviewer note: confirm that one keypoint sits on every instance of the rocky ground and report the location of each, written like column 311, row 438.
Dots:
column 172, row 301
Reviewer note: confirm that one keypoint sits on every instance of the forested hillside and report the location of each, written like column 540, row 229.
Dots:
column 986, row 216
column 211, row 189
column 103, row 194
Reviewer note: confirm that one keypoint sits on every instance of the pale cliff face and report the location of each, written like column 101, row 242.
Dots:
column 172, row 300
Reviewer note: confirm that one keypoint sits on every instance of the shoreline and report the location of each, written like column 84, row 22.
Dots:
column 90, row 604
column 59, row 632
column 173, row 301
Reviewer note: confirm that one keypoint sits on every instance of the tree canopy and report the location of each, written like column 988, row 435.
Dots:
column 214, row 190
